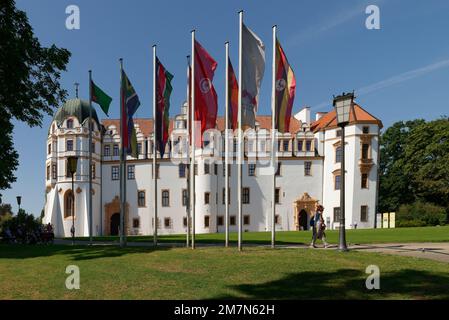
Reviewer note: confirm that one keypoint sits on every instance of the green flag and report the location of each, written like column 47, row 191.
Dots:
column 98, row 96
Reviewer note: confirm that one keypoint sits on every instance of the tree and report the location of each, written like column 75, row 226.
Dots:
column 394, row 184
column 29, row 81
column 427, row 154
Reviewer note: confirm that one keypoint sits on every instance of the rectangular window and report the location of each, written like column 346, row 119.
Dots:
column 232, row 220
column 185, row 197
column 131, row 172
column 338, row 154
column 107, row 150
column 139, row 148
column 115, row 173
column 365, row 151
column 165, row 198
column 338, row 133
column 69, row 145
column 141, row 198
column 308, row 145
column 277, row 194
column 93, row 170
column 246, row 219
column 158, row 222
column 364, row 184
column 54, row 171
column 115, row 150
column 136, row 223
column 245, row 196
column 251, row 169
column 48, row 172
column 184, row 222
column 300, row 145
column 277, row 219
column 215, row 169
column 206, row 168
column 167, row 223
column 308, row 168
column 206, row 197
column 49, row 148
column 278, row 171
column 286, row 145
column 220, row 220
column 365, row 130
column 206, row 221
column 182, row 170
column 337, row 214
column 364, row 213
column 337, row 184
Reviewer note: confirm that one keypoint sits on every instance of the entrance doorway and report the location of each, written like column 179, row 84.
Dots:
column 115, row 224
column 302, row 220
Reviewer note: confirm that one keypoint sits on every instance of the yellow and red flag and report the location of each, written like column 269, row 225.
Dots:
column 285, row 83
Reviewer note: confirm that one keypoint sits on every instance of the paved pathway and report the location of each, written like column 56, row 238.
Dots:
column 428, row 250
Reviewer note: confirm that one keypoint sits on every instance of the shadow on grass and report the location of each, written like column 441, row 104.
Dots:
column 75, row 253
column 347, row 284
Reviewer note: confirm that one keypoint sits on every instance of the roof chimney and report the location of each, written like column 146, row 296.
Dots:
column 303, row 115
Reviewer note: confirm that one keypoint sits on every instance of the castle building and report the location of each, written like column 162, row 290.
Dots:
column 308, row 171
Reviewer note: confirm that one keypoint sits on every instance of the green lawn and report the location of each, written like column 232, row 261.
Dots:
column 108, row 272
column 425, row 234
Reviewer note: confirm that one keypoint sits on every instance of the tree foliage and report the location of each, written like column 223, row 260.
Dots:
column 394, row 184
column 29, row 81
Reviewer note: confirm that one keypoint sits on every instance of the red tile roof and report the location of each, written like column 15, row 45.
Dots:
column 357, row 115
column 146, row 125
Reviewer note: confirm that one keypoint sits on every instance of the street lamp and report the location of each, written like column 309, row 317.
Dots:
column 72, row 163
column 19, row 201
column 343, row 105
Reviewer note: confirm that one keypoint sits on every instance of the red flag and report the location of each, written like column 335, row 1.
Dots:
column 233, row 97
column 206, row 105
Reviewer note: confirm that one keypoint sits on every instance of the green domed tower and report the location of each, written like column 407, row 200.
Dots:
column 68, row 136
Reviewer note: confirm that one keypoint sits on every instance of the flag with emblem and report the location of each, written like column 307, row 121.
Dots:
column 206, row 105
column 100, row 97
column 130, row 104
column 163, row 92
column 285, row 86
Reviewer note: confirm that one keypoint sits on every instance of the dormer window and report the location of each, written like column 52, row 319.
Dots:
column 300, row 145
column 70, row 124
column 308, row 145
column 286, row 142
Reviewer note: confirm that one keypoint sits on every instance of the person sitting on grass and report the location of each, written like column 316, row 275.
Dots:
column 318, row 226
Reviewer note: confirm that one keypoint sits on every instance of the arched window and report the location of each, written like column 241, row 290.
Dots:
column 70, row 124
column 68, row 204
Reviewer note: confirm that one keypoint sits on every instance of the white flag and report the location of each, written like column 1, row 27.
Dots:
column 253, row 67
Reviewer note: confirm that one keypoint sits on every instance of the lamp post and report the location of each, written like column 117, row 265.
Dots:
column 343, row 105
column 19, row 201
column 72, row 163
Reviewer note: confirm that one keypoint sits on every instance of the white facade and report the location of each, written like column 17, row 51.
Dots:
column 308, row 169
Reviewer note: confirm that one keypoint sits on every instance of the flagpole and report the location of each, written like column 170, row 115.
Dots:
column 155, row 204
column 90, row 157
column 192, row 119
column 122, row 159
column 240, row 149
column 273, row 139
column 188, row 154
column 227, row 145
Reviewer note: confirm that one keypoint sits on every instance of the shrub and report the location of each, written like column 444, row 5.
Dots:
column 420, row 214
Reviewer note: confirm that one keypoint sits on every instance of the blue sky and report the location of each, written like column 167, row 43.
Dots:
column 401, row 70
